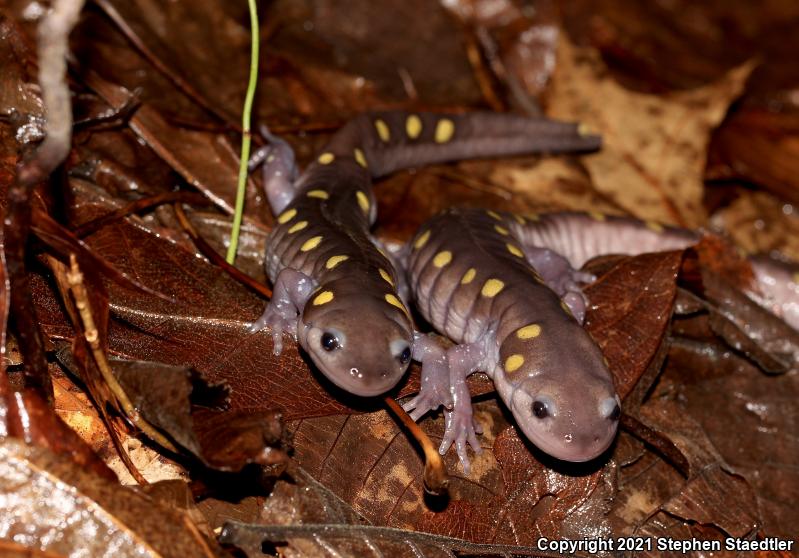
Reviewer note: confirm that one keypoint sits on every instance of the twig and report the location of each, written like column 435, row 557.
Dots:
column 435, row 476
column 92, row 336
column 53, row 32
column 209, row 252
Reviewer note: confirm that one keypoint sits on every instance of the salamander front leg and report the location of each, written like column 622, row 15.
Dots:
column 434, row 391
column 460, row 425
column 291, row 292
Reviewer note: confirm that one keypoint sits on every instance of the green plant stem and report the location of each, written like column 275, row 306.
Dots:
column 246, row 137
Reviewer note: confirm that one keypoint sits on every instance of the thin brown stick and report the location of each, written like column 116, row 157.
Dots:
column 137, row 206
column 209, row 252
column 53, row 32
column 92, row 336
column 435, row 475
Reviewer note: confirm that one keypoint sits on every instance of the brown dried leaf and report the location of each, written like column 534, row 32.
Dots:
column 653, row 148
column 630, row 311
column 511, row 496
column 52, row 505
column 713, row 493
column 749, row 418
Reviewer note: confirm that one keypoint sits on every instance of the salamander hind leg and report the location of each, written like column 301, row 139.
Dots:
column 291, row 292
column 557, row 273
column 279, row 170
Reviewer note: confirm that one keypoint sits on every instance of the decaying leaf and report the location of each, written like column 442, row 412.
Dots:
column 52, row 505
column 653, row 147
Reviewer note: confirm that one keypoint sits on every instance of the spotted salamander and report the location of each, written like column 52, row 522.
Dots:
column 506, row 289
column 335, row 290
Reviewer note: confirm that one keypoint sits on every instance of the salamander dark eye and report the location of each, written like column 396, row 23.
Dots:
column 329, row 342
column 405, row 355
column 615, row 413
column 540, row 410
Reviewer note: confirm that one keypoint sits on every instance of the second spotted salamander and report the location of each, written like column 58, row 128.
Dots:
column 506, row 289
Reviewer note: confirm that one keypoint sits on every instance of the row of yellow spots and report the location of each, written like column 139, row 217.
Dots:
column 445, row 129
column 518, row 218
column 491, row 287
column 515, row 361
column 326, row 296
column 512, row 248
column 287, row 216
column 326, row 158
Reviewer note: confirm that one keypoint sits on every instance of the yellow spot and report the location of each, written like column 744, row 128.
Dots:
column 513, row 249
column 359, row 157
column 444, row 130
column 566, row 308
column 413, row 126
column 286, row 216
column 298, row 227
column 513, row 363
column 796, row 277
column 468, row 277
column 584, row 129
column 386, row 277
column 394, row 301
column 529, row 331
column 501, row 230
column 654, row 226
column 519, row 219
column 333, row 261
column 311, row 243
column 323, row 298
column 442, row 258
column 597, row 216
column 422, row 240
column 321, row 194
column 492, row 287
column 326, row 158
column 363, row 201
column 382, row 130
column 533, row 217
column 495, row 215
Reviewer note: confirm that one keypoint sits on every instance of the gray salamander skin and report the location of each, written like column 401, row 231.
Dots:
column 471, row 280
column 507, row 289
column 578, row 237
column 333, row 287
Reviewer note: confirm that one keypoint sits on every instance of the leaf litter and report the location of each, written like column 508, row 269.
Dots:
column 275, row 458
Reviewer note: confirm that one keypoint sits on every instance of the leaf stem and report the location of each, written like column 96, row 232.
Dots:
column 246, row 136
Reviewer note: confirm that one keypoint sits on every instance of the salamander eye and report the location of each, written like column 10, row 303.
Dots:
column 405, row 355
column 615, row 413
column 329, row 342
column 540, row 409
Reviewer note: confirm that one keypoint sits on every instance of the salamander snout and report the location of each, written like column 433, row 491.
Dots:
column 363, row 360
column 569, row 424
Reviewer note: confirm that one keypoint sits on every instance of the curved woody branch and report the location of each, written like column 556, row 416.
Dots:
column 52, row 42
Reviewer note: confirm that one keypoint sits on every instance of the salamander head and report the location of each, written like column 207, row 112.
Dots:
column 362, row 345
column 561, row 394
